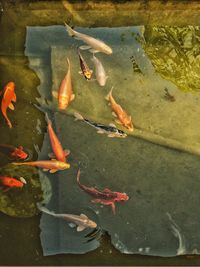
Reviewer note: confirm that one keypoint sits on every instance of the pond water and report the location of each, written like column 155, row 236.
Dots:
column 154, row 72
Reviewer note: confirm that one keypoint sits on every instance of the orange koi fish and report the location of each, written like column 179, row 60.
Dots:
column 123, row 117
column 65, row 94
column 47, row 165
column 10, row 182
column 8, row 96
column 59, row 153
column 13, row 152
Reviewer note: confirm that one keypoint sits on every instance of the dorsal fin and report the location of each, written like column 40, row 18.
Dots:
column 83, row 216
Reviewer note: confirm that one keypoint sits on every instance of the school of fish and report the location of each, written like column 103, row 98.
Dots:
column 59, row 156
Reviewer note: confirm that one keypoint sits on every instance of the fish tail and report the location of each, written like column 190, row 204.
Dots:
column 109, row 94
column 78, row 116
column 68, row 62
column 19, row 163
column 69, row 30
column 45, row 210
column 47, row 118
column 8, row 121
column 78, row 176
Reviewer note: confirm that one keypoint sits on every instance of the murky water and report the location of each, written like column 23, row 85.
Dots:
column 156, row 165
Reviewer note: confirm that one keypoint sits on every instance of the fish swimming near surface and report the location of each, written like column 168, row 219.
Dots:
column 47, row 165
column 58, row 151
column 82, row 221
column 85, row 70
column 110, row 130
column 10, row 182
column 13, row 152
column 8, row 96
column 65, row 93
column 94, row 45
column 105, row 197
column 99, row 71
column 122, row 117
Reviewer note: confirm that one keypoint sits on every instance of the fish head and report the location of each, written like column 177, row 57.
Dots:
column 88, row 74
column 129, row 124
column 63, row 102
column 10, row 86
column 108, row 50
column 122, row 196
column 11, row 182
column 64, row 165
column 90, row 224
column 19, row 153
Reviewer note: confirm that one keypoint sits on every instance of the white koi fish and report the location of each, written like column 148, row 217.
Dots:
column 94, row 45
column 82, row 221
column 100, row 72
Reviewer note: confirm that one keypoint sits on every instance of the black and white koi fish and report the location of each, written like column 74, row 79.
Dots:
column 94, row 45
column 82, row 221
column 110, row 130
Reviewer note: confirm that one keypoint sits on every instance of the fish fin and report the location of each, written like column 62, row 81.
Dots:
column 80, row 72
column 78, row 116
column 51, row 155
column 93, row 51
column 55, row 94
column 107, row 190
column 72, row 225
column 45, row 170
column 119, row 122
column 6, row 189
column 80, row 228
column 72, row 97
column 53, row 170
column 77, row 38
column 53, row 159
column 113, row 113
column 100, row 132
column 66, row 152
column 84, row 47
column 111, row 135
column 14, row 98
column 83, row 216
column 11, row 106
column 112, row 125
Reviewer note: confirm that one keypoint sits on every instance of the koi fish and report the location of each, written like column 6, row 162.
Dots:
column 94, row 45
column 47, row 165
column 85, row 70
column 168, row 96
column 123, row 118
column 105, row 197
column 13, row 152
column 100, row 72
column 59, row 153
column 65, row 94
column 82, row 221
column 10, row 182
column 110, row 130
column 8, row 96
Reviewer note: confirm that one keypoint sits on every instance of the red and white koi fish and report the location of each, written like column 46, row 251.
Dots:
column 100, row 72
column 8, row 96
column 123, row 118
column 65, row 94
column 94, row 45
column 10, row 182
column 82, row 221
column 105, row 197
column 13, row 152
column 85, row 70
column 58, row 151
column 47, row 165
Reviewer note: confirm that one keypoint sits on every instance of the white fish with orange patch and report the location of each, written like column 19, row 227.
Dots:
column 123, row 117
column 94, row 45
column 65, row 93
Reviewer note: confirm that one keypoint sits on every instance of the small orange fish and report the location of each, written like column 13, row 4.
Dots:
column 59, row 153
column 8, row 96
column 14, row 152
column 10, row 182
column 47, row 165
column 123, row 117
column 65, row 94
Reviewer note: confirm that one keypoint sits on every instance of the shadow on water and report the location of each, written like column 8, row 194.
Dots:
column 158, row 219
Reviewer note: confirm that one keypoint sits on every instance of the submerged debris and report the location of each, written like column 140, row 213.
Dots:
column 168, row 96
